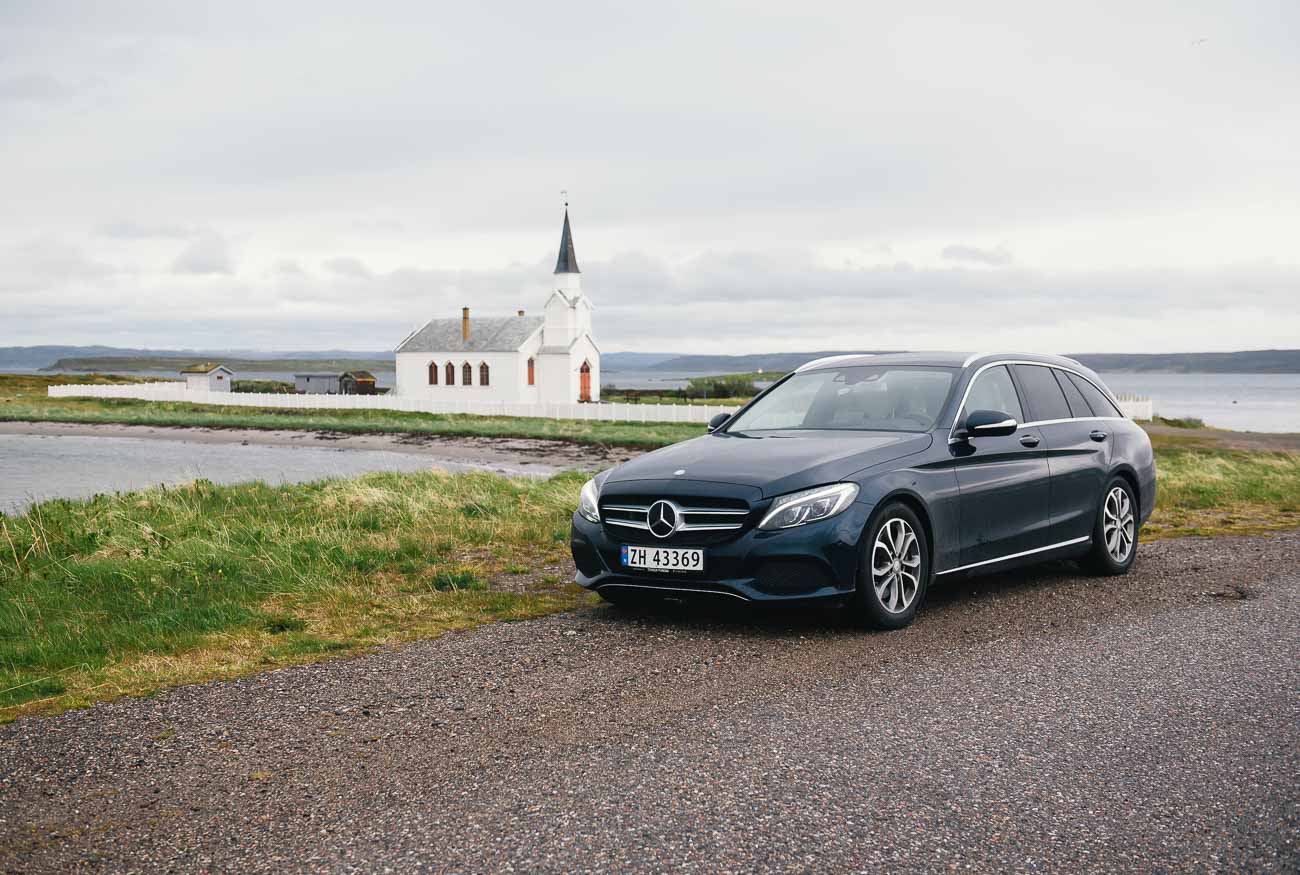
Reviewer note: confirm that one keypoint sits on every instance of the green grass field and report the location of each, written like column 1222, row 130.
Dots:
column 23, row 398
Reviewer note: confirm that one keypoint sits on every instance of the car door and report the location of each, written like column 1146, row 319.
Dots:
column 1077, row 453
column 1004, row 481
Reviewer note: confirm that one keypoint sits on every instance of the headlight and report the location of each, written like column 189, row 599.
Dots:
column 587, row 502
column 809, row 506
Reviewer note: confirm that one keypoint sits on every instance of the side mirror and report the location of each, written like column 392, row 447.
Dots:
column 719, row 421
column 989, row 423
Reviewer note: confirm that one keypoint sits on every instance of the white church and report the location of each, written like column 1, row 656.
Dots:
column 520, row 358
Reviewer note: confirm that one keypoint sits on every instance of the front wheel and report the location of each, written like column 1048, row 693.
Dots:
column 1114, row 534
column 895, row 569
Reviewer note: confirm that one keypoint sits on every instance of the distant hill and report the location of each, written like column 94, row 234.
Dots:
column 1264, row 361
column 626, row 361
column 1260, row 361
column 46, row 356
column 780, row 362
column 123, row 364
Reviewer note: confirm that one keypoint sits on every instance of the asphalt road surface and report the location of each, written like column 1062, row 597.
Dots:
column 1040, row 721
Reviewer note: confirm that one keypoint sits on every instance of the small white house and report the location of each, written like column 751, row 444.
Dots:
column 208, row 376
column 520, row 358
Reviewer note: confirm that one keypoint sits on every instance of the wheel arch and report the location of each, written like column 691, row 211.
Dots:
column 1130, row 476
column 915, row 504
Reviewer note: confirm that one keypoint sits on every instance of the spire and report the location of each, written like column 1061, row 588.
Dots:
column 568, row 260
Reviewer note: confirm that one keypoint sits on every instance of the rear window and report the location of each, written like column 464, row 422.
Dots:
column 1044, row 397
column 1097, row 400
column 1078, row 406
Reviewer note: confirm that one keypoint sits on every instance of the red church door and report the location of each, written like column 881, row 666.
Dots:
column 584, row 389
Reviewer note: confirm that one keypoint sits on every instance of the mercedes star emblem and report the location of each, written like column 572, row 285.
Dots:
column 662, row 519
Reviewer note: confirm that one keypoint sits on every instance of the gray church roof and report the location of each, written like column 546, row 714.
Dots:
column 568, row 259
column 486, row 334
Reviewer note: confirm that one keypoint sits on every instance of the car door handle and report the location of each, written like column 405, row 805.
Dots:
column 1029, row 440
column 1098, row 435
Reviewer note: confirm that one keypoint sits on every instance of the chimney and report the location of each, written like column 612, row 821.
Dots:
column 521, row 312
column 464, row 324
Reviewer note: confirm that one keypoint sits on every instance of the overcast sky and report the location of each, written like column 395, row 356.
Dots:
column 744, row 177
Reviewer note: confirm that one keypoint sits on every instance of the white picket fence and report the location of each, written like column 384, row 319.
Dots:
column 619, row 412
column 1136, row 406
column 1132, row 406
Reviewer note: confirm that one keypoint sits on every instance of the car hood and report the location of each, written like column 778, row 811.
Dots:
column 776, row 462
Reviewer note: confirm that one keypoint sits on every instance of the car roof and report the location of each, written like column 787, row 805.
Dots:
column 936, row 359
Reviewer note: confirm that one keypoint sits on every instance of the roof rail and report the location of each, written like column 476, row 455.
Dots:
column 817, row 363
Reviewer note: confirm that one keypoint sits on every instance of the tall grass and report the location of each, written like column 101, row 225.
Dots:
column 123, row 593
column 1210, row 492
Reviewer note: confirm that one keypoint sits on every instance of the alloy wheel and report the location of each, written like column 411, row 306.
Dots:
column 1117, row 524
column 896, row 565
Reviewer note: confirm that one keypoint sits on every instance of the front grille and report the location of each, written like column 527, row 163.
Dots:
column 700, row 520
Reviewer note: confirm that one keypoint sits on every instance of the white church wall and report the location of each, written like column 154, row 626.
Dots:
column 506, row 376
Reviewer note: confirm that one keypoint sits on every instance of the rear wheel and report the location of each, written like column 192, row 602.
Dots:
column 895, row 569
column 1114, row 534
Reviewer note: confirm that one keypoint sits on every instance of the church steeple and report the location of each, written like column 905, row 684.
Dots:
column 568, row 259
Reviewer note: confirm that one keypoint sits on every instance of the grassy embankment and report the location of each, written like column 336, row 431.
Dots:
column 23, row 398
column 126, row 594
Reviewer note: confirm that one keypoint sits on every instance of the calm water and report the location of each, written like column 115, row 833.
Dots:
column 1242, row 402
column 34, row 467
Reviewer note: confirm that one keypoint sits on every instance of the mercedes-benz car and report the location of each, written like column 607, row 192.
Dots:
column 867, row 478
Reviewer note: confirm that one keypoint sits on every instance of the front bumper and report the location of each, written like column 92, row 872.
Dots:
column 815, row 561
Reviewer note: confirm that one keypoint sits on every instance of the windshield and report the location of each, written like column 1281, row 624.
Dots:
column 870, row 398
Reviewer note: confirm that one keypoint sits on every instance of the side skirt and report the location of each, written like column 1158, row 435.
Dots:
column 1084, row 540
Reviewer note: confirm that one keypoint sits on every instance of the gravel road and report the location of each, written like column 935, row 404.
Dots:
column 1029, row 722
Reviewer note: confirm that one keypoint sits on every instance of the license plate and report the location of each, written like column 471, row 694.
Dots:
column 662, row 558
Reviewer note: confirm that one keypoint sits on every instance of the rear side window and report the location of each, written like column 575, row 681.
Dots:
column 993, row 390
column 1078, row 406
column 1044, row 396
column 1097, row 400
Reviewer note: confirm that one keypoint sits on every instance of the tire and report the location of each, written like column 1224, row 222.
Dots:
column 1114, row 534
column 892, row 579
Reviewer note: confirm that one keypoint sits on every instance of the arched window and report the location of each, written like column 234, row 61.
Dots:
column 433, row 373
column 451, row 374
column 532, row 373
column 467, row 374
column 483, row 374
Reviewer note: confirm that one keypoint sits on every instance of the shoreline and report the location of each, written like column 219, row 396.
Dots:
column 552, row 451
column 468, row 449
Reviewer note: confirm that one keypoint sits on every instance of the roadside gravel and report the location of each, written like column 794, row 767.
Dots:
column 1028, row 722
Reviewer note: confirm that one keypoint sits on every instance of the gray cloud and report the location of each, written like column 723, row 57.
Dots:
column 34, row 87
column 996, row 257
column 124, row 229
column 347, row 266
column 208, row 254
column 818, row 201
